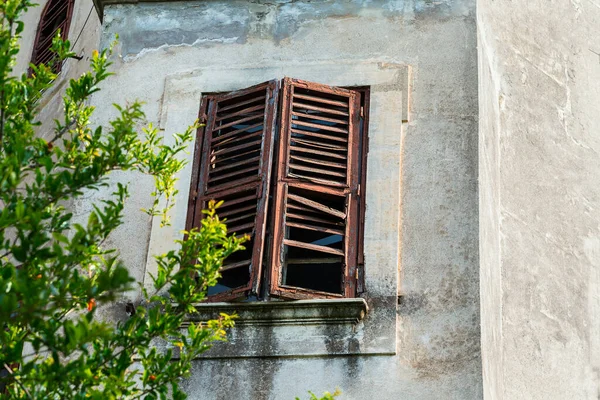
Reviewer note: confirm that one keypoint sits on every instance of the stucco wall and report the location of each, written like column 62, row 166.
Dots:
column 539, row 195
column 437, row 338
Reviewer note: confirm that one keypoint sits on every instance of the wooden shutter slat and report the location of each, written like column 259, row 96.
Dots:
column 227, row 267
column 234, row 173
column 321, row 153
column 235, row 211
column 243, row 103
column 315, row 247
column 228, row 135
column 319, row 117
column 319, row 126
column 239, row 121
column 228, row 150
column 319, row 171
column 319, row 135
column 235, row 167
column 321, row 109
column 321, row 100
column 317, row 206
column 320, row 162
column 316, row 184
column 308, row 218
column 315, row 228
column 236, row 164
column 242, row 112
column 317, row 144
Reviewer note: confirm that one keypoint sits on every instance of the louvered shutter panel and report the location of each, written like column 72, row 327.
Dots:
column 235, row 166
column 56, row 16
column 316, row 206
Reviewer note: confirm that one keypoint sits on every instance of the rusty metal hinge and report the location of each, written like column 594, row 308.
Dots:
column 356, row 274
column 195, row 194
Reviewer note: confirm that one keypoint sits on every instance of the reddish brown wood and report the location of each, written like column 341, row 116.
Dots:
column 297, row 105
column 233, row 133
column 52, row 10
column 320, row 135
column 320, row 117
column 317, row 205
column 243, row 103
column 351, row 238
column 315, row 228
column 249, row 110
column 194, row 181
column 228, row 185
column 289, row 175
column 366, row 104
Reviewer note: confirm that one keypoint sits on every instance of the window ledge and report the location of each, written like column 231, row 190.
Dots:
column 303, row 327
column 299, row 312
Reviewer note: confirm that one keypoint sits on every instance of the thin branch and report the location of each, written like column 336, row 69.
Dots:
column 10, row 371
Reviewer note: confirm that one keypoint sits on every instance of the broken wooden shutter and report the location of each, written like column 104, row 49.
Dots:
column 56, row 15
column 234, row 154
column 316, row 208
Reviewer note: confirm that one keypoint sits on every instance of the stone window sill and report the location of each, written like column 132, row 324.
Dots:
column 289, row 328
column 299, row 312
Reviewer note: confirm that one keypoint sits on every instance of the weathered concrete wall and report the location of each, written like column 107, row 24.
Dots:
column 437, row 338
column 539, row 198
column 84, row 35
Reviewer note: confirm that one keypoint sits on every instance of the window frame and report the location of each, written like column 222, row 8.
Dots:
column 353, row 284
column 36, row 51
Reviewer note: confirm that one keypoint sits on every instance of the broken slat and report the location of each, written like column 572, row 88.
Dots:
column 316, row 205
column 315, row 228
column 321, row 100
column 312, row 218
column 321, row 109
column 315, row 247
column 227, row 267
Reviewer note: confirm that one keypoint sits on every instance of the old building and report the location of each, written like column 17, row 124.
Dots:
column 457, row 244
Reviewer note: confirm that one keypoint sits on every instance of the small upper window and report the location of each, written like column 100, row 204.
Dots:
column 56, row 16
column 289, row 165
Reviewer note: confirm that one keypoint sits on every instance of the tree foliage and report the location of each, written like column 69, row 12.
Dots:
column 55, row 273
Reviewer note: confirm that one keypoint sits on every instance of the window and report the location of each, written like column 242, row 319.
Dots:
column 56, row 15
column 288, row 159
